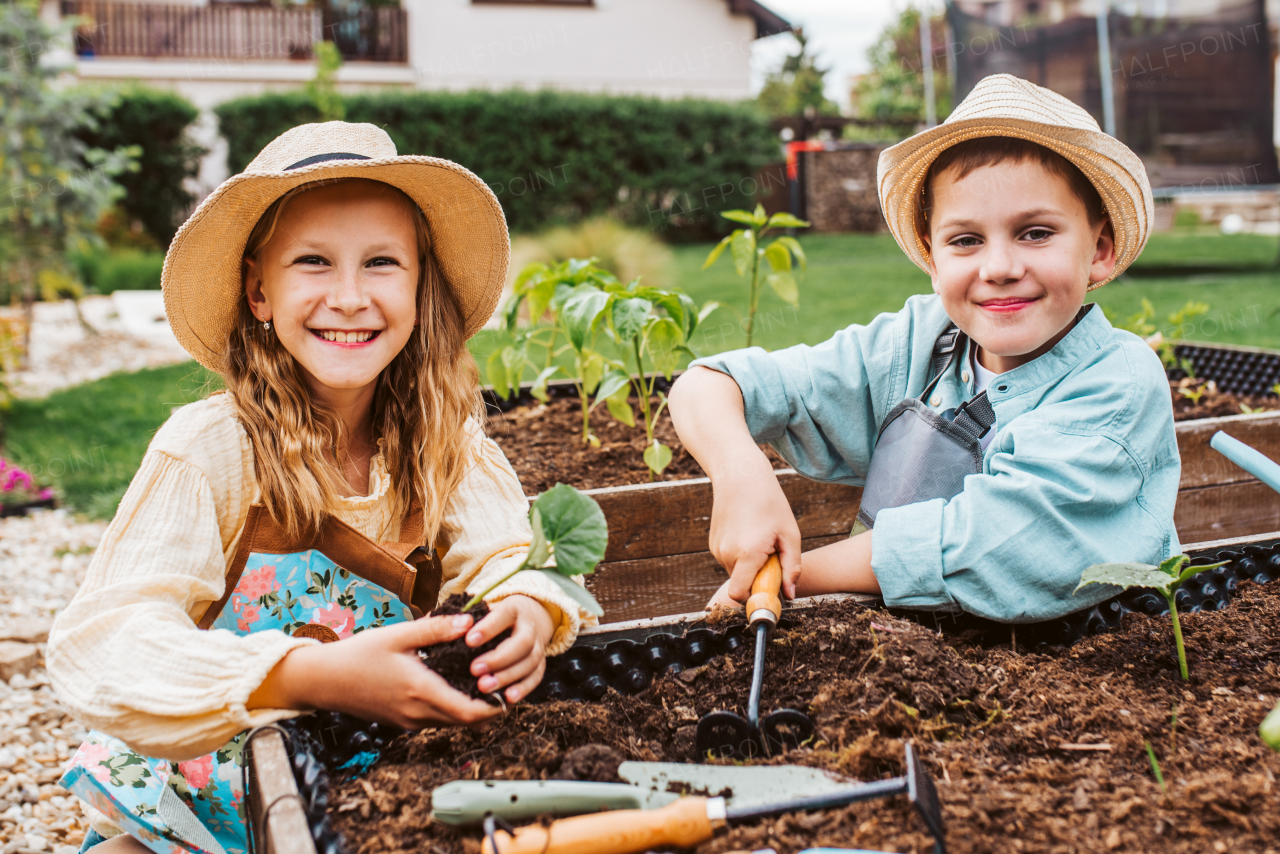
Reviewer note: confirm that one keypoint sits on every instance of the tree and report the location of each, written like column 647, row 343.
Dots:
column 892, row 93
column 797, row 84
column 53, row 187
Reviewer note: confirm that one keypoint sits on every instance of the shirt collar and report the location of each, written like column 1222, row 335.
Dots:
column 1089, row 333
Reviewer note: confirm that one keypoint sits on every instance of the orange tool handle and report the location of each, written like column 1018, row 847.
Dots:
column 683, row 824
column 764, row 603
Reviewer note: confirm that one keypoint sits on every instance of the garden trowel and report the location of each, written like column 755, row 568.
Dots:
column 649, row 785
column 726, row 735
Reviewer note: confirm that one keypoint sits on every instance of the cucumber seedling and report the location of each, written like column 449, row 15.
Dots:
column 1167, row 578
column 570, row 527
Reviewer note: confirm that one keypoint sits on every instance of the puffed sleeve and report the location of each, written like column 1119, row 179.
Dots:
column 488, row 535
column 125, row 656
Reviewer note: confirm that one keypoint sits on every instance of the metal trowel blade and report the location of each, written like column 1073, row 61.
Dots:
column 743, row 786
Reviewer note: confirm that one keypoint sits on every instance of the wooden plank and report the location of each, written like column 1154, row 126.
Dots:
column 661, row 585
column 654, row 519
column 1203, row 466
column 1250, row 508
column 275, row 808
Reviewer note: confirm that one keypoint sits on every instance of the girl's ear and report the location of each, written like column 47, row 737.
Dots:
column 258, row 302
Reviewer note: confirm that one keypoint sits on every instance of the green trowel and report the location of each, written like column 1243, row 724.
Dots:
column 649, row 785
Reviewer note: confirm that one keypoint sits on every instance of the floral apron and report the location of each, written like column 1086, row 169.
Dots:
column 328, row 586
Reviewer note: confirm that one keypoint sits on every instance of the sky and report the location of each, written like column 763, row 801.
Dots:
column 840, row 31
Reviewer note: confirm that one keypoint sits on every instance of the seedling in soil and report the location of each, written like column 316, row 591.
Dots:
column 1167, row 578
column 744, row 246
column 570, row 527
column 1270, row 729
column 1155, row 768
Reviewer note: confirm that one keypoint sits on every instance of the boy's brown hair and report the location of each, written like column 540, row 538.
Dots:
column 982, row 151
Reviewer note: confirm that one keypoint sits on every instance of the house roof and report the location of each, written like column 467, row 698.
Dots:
column 768, row 22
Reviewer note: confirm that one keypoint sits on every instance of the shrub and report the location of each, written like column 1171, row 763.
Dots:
column 555, row 157
column 157, row 123
column 106, row 272
column 631, row 253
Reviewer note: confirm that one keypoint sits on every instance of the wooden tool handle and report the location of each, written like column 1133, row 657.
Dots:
column 682, row 824
column 764, row 593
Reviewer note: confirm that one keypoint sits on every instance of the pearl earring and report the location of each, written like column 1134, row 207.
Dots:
column 266, row 326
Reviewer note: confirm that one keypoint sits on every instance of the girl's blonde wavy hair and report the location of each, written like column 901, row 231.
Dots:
column 420, row 405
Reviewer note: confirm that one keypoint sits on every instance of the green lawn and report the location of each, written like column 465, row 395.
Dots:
column 88, row 441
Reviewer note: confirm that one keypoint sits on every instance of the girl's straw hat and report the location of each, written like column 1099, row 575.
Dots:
column 1004, row 105
column 202, row 271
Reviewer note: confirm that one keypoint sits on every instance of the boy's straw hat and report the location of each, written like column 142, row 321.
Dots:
column 202, row 270
column 1004, row 105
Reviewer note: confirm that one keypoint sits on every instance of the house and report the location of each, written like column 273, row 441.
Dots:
column 211, row 51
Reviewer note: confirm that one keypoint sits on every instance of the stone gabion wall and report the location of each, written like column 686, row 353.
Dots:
column 840, row 189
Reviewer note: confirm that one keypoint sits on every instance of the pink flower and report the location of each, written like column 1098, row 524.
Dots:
column 197, row 771
column 258, row 583
column 248, row 616
column 90, row 756
column 341, row 620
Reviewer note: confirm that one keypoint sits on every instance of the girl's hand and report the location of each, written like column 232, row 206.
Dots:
column 376, row 675
column 520, row 659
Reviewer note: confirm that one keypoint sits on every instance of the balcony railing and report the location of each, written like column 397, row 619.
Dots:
column 226, row 31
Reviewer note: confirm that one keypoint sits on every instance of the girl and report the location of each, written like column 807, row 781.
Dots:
column 281, row 541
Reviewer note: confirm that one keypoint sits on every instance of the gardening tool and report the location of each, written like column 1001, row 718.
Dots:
column 649, row 785
column 725, row 734
column 691, row 821
column 1250, row 459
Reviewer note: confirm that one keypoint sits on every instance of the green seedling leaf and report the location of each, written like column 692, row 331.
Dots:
column 657, row 457
column 786, row 220
column 580, row 314
column 591, row 369
column 704, row 312
column 629, row 316
column 575, row 527
column 744, row 217
column 784, row 285
column 496, row 372
column 744, row 251
column 511, row 312
column 716, row 252
column 1270, row 729
column 539, row 389
column 794, row 245
column 759, row 215
column 660, row 342
column 619, row 406
column 613, row 382
column 575, row 591
column 1127, row 575
column 778, row 257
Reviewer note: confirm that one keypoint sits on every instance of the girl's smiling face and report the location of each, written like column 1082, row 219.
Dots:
column 1012, row 253
column 338, row 279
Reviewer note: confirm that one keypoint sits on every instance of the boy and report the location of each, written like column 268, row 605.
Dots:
column 1016, row 206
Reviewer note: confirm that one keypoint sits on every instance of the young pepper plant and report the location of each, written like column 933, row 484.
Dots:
column 1167, row 578
column 745, row 245
column 570, row 527
column 629, row 315
column 1269, row 731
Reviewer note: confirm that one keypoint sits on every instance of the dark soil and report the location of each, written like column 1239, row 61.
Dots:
column 1003, row 732
column 452, row 660
column 544, row 444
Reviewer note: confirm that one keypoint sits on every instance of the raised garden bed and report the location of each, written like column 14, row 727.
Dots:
column 1033, row 746
column 658, row 561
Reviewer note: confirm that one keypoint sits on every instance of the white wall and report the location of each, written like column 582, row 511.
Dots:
column 669, row 48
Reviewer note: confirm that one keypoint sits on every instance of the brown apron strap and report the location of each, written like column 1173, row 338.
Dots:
column 410, row 570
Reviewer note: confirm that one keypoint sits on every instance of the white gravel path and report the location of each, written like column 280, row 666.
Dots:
column 43, row 558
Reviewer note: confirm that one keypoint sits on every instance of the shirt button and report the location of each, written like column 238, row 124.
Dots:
column 935, row 400
column 964, row 378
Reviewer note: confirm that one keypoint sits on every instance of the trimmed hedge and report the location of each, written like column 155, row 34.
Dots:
column 157, row 122
column 554, row 157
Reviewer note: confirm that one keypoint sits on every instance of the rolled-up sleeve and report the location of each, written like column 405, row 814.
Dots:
column 821, row 406
column 1011, row 546
column 488, row 536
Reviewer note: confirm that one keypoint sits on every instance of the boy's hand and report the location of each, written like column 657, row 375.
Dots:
column 376, row 675
column 520, row 659
column 750, row 520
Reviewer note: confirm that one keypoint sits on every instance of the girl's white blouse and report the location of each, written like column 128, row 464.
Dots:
column 125, row 657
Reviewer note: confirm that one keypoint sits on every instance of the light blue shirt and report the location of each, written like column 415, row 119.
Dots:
column 1083, row 469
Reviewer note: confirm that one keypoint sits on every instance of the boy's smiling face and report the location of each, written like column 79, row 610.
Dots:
column 1012, row 253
